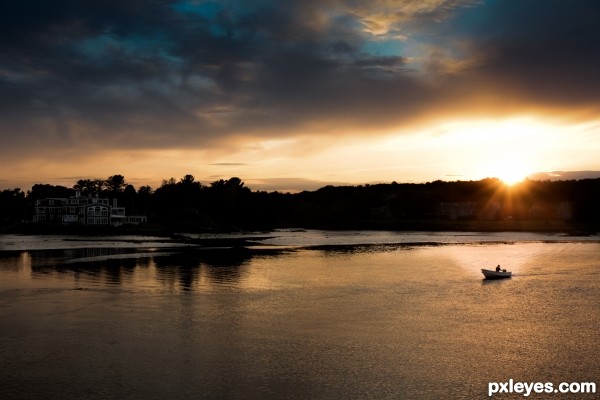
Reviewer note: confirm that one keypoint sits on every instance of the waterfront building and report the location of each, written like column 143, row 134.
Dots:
column 84, row 210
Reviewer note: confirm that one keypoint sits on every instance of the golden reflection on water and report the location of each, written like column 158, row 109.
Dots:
column 340, row 322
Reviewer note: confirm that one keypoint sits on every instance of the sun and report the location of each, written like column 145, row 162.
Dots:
column 509, row 169
column 512, row 177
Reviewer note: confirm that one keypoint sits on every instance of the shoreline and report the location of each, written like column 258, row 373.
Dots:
column 176, row 230
column 247, row 243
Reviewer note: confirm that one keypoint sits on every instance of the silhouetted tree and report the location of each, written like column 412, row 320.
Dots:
column 90, row 186
column 167, row 182
column 187, row 180
column 43, row 191
column 128, row 199
column 178, row 201
column 145, row 191
column 228, row 201
column 116, row 183
column 144, row 200
column 13, row 206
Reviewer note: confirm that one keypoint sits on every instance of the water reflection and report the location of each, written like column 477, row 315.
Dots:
column 340, row 249
column 209, row 267
column 485, row 281
column 178, row 270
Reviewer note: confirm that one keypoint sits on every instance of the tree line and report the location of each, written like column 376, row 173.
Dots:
column 229, row 204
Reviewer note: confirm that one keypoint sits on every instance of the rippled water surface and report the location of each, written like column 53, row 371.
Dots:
column 297, row 315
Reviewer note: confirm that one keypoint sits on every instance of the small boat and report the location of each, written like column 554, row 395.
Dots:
column 491, row 274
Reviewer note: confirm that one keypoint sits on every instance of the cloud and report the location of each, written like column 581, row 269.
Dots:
column 396, row 18
column 290, row 185
column 542, row 50
column 564, row 175
column 80, row 76
column 229, row 164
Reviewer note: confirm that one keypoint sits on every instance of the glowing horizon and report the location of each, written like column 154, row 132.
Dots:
column 510, row 150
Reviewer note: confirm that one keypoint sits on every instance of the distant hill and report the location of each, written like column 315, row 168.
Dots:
column 564, row 175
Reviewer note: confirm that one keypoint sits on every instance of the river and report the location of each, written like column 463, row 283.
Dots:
column 297, row 314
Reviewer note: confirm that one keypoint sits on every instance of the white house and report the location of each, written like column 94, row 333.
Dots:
column 90, row 210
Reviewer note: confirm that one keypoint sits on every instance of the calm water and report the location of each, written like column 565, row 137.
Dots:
column 361, row 315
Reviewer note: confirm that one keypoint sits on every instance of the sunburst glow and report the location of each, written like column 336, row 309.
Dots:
column 509, row 169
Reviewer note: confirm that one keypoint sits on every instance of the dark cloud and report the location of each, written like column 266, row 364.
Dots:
column 542, row 50
column 291, row 185
column 229, row 164
column 160, row 74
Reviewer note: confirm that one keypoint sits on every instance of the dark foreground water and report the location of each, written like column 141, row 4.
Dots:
column 381, row 316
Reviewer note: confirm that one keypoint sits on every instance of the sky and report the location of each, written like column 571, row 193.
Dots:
column 294, row 95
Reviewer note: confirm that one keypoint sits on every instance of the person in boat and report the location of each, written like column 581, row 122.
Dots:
column 498, row 268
